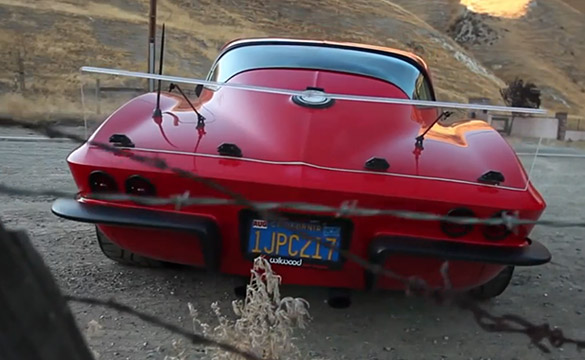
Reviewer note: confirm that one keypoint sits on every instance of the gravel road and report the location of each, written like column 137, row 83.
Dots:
column 377, row 326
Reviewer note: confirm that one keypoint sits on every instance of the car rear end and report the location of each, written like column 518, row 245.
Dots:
column 227, row 237
column 327, row 155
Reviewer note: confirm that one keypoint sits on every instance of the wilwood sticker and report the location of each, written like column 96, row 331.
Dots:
column 289, row 262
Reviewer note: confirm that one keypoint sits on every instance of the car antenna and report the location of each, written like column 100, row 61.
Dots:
column 157, row 112
column 419, row 139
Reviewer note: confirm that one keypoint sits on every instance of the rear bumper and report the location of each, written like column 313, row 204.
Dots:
column 384, row 246
column 380, row 249
column 205, row 229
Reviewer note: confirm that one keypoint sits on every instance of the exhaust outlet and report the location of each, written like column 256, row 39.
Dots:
column 240, row 291
column 240, row 287
column 339, row 298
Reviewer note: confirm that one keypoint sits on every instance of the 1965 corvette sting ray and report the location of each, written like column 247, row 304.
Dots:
column 312, row 149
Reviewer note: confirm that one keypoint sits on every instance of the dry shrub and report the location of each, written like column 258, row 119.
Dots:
column 265, row 322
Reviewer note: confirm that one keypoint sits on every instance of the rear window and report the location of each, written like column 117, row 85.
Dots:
column 386, row 67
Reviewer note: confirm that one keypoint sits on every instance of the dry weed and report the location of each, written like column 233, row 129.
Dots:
column 265, row 322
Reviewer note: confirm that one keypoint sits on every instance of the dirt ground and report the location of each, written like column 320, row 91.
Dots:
column 377, row 326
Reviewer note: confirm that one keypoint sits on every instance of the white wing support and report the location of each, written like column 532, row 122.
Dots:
column 376, row 99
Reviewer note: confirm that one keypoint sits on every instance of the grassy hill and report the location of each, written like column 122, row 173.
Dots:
column 545, row 46
column 53, row 39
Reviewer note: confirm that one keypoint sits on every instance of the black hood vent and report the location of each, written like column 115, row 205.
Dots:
column 377, row 164
column 121, row 140
column 492, row 177
column 227, row 149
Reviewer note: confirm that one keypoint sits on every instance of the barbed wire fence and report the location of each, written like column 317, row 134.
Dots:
column 507, row 323
column 34, row 321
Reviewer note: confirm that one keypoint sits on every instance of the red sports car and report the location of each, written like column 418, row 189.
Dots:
column 312, row 149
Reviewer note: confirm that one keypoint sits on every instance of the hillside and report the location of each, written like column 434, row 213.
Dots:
column 545, row 45
column 55, row 38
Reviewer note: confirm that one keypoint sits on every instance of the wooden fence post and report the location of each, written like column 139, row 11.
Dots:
column 35, row 321
column 20, row 74
column 562, row 127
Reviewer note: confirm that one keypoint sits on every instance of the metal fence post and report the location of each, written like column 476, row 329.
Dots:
column 98, row 91
column 151, row 42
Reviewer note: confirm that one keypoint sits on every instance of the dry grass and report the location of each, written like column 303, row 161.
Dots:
column 57, row 37
column 265, row 321
column 37, row 107
column 578, row 5
column 576, row 123
column 545, row 46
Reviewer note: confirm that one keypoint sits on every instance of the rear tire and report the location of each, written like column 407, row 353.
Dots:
column 495, row 286
column 114, row 252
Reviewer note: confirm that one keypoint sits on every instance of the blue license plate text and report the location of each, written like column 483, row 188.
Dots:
column 293, row 240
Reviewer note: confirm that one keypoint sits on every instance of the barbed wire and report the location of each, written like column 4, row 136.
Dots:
column 194, row 338
column 346, row 208
column 161, row 164
column 510, row 323
column 413, row 285
column 157, row 163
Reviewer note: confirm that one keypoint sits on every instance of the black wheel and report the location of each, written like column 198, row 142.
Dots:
column 495, row 286
column 123, row 256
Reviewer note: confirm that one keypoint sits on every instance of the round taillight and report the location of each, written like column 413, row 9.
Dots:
column 100, row 181
column 453, row 229
column 496, row 232
column 139, row 185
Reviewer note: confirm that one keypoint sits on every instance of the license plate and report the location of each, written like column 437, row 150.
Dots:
column 292, row 240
